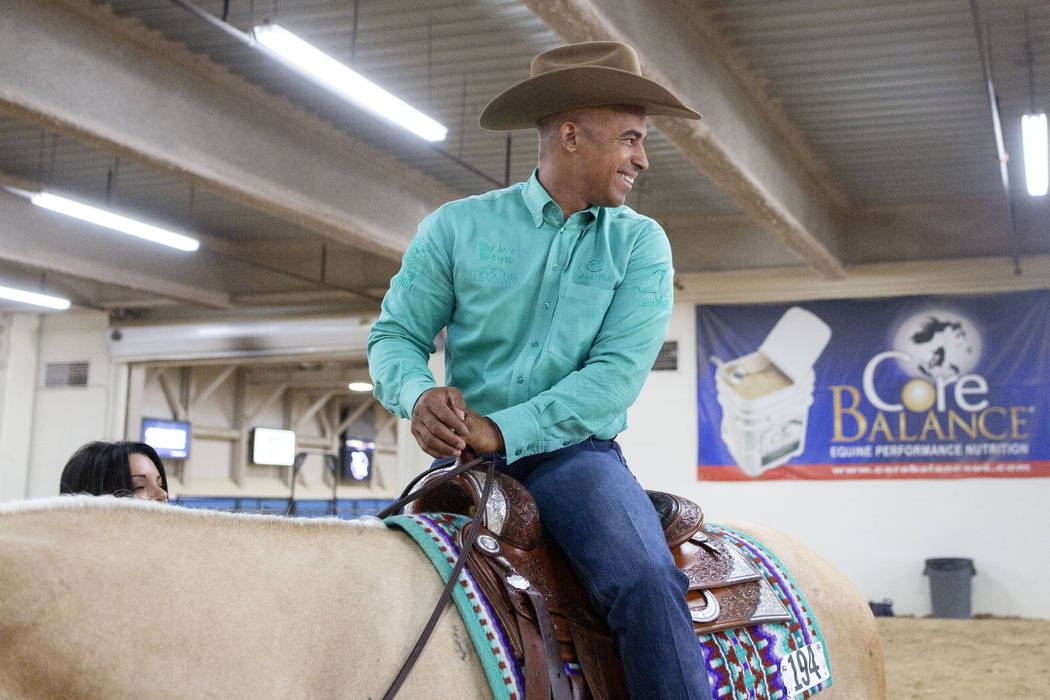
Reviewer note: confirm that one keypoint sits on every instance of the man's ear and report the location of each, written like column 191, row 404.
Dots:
column 569, row 136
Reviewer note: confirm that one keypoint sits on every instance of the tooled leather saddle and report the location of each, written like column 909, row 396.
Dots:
column 545, row 611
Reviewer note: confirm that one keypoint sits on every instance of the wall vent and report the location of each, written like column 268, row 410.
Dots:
column 668, row 357
column 59, row 374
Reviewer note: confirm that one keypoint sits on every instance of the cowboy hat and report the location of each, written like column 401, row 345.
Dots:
column 590, row 74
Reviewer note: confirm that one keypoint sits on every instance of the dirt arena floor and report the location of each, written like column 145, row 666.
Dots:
column 984, row 658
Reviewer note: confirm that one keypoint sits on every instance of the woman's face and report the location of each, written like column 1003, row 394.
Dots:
column 145, row 479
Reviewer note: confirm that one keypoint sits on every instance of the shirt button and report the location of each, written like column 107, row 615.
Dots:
column 535, row 343
column 554, row 267
column 546, row 305
column 517, row 453
column 519, row 379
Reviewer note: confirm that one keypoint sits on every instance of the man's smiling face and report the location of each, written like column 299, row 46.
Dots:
column 612, row 154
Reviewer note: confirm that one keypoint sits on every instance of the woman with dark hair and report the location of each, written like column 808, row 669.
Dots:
column 118, row 468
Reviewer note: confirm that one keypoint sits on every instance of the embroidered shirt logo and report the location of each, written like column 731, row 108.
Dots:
column 498, row 253
column 490, row 277
column 411, row 265
column 656, row 289
column 593, row 275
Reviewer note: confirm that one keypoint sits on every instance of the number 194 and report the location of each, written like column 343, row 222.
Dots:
column 804, row 668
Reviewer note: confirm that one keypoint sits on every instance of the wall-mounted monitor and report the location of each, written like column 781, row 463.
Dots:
column 273, row 447
column 170, row 438
column 357, row 459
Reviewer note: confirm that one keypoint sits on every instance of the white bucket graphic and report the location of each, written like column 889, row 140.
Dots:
column 766, row 395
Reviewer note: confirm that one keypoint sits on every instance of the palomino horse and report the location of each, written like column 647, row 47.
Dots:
column 103, row 597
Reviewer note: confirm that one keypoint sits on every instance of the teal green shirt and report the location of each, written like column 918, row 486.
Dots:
column 552, row 325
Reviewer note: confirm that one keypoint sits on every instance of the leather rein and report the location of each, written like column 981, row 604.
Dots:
column 468, row 543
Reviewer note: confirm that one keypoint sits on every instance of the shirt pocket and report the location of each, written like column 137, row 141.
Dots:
column 577, row 320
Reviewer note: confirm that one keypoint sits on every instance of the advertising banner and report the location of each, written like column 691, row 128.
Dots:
column 920, row 387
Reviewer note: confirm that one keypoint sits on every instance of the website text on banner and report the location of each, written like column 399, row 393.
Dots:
column 907, row 387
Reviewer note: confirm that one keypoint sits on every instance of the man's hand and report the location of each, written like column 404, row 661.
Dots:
column 438, row 422
column 483, row 435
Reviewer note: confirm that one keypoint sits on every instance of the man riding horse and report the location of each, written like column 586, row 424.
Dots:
column 556, row 298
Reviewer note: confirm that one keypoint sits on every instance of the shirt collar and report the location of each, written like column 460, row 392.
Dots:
column 537, row 200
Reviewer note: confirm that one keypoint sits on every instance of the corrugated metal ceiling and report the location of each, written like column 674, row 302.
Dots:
column 892, row 94
column 889, row 95
column 446, row 58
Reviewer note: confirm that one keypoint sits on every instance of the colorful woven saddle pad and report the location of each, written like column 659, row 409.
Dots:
column 759, row 662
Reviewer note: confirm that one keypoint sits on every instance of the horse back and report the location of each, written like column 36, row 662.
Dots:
column 846, row 620
column 103, row 597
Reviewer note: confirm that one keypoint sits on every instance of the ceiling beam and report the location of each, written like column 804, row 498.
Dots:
column 47, row 241
column 265, row 256
column 308, row 296
column 743, row 144
column 73, row 67
column 984, row 275
column 727, row 242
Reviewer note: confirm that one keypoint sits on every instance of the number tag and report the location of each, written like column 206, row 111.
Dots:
column 804, row 668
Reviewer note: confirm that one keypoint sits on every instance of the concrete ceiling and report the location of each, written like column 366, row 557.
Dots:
column 847, row 146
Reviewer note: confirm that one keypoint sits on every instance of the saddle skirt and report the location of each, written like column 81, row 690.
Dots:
column 726, row 589
column 545, row 611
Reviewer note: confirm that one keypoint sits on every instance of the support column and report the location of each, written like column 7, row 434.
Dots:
column 19, row 340
column 239, row 458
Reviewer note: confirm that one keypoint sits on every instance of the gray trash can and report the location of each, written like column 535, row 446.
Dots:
column 950, row 587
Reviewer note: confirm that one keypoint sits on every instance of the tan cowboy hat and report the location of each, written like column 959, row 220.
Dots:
column 590, row 74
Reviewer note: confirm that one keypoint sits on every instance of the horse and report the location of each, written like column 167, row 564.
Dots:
column 104, row 597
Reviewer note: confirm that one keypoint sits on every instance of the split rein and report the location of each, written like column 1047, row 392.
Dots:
column 468, row 543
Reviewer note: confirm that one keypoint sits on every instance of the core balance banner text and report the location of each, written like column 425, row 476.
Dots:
column 907, row 387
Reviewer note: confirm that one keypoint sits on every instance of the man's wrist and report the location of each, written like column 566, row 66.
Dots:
column 417, row 387
column 500, row 446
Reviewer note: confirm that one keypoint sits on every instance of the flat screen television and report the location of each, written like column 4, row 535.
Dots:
column 273, row 447
column 170, row 438
column 357, row 459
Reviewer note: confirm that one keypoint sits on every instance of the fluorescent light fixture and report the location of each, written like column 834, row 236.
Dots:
column 1033, row 132
column 349, row 84
column 360, row 386
column 101, row 217
column 45, row 300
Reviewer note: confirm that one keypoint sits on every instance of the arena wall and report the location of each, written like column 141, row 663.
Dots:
column 877, row 532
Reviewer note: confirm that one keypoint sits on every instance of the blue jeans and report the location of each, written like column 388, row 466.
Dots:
column 596, row 511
